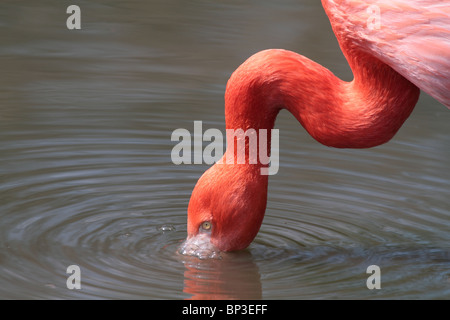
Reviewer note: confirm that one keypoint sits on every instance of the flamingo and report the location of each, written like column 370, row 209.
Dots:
column 395, row 48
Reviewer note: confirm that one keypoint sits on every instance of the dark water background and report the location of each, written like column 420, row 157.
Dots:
column 86, row 176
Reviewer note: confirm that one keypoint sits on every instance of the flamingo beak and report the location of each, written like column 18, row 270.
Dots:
column 200, row 246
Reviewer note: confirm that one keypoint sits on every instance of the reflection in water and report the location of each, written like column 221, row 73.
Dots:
column 235, row 276
column 327, row 272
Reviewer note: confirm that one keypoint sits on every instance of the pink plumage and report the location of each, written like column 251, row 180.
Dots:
column 411, row 36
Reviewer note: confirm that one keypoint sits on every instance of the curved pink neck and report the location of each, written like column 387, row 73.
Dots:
column 365, row 112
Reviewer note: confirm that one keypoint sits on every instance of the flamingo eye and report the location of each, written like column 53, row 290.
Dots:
column 206, row 226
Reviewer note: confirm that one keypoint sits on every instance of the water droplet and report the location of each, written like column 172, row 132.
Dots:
column 166, row 228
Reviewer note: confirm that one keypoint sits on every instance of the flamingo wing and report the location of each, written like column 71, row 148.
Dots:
column 411, row 36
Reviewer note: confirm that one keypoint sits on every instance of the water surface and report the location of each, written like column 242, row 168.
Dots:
column 86, row 176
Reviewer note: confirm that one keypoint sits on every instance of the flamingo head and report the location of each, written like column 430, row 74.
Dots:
column 225, row 211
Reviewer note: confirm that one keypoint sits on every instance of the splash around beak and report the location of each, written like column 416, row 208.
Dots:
column 200, row 246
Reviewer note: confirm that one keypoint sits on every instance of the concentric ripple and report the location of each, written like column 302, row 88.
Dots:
column 92, row 206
